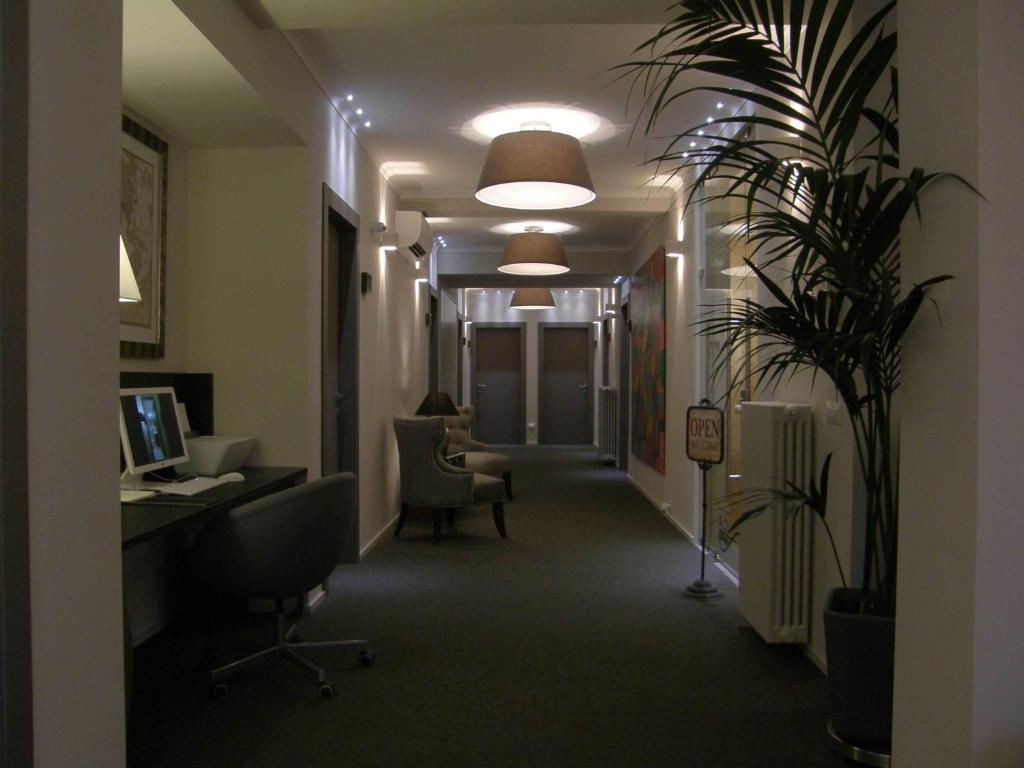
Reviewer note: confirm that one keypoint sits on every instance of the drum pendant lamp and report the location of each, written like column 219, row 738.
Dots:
column 533, row 252
column 535, row 169
column 532, row 298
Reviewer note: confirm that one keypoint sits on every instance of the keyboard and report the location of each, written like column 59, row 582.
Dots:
column 128, row 496
column 187, row 487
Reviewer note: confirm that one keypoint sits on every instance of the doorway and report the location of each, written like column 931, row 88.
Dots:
column 565, row 395
column 339, row 383
column 497, row 365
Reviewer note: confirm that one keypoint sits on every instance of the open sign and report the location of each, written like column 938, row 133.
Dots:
column 705, row 434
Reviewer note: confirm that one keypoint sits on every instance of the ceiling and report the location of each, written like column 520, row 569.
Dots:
column 422, row 71
column 174, row 76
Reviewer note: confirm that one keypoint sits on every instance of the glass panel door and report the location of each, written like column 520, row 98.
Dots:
column 725, row 278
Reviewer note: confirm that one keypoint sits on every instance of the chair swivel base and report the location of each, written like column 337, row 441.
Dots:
column 288, row 646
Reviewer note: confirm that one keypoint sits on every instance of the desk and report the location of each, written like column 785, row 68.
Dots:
column 141, row 520
column 153, row 534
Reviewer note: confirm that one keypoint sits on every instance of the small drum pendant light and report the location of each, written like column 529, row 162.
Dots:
column 533, row 253
column 532, row 298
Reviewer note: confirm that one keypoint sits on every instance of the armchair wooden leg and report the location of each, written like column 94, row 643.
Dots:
column 437, row 524
column 499, row 518
column 451, row 517
column 507, row 477
column 401, row 518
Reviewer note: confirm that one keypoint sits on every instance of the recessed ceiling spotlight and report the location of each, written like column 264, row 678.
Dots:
column 349, row 97
column 700, row 132
column 693, row 143
column 719, row 105
column 551, row 227
column 575, row 122
column 367, row 124
column 686, row 154
column 709, row 120
column 359, row 111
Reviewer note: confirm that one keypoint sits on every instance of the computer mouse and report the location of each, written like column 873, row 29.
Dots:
column 232, row 477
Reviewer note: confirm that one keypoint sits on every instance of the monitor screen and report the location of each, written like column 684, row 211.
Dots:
column 151, row 435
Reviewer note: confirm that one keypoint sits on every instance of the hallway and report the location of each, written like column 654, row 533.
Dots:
column 569, row 644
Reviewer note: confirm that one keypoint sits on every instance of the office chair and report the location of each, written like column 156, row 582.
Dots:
column 428, row 480
column 279, row 547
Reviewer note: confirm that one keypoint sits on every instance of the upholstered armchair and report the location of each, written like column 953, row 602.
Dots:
column 427, row 480
column 477, row 456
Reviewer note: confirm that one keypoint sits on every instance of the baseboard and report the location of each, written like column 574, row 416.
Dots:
column 816, row 659
column 643, row 492
column 378, row 537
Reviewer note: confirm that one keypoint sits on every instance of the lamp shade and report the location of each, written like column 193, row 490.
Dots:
column 535, row 170
column 533, row 253
column 437, row 404
column 532, row 298
column 129, row 291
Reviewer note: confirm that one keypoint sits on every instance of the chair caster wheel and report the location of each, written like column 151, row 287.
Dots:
column 366, row 658
column 219, row 690
column 326, row 690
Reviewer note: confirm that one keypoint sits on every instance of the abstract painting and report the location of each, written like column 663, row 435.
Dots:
column 144, row 230
column 647, row 347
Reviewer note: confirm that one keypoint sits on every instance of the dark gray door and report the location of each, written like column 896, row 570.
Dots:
column 339, row 428
column 498, row 391
column 566, row 410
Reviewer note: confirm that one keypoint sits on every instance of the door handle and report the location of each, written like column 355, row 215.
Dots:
column 582, row 386
column 481, row 386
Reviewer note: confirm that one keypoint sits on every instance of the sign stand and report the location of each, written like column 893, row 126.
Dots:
column 704, row 444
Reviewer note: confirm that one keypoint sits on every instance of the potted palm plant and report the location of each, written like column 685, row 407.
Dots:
column 813, row 157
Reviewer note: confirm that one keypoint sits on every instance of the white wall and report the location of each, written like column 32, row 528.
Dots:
column 72, row 360
column 960, row 605
column 679, row 485
column 576, row 305
column 245, row 298
column 393, row 337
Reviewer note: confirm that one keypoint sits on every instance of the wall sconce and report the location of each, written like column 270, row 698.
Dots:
column 388, row 241
column 365, row 282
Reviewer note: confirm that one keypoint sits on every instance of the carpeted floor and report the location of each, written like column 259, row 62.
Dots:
column 569, row 644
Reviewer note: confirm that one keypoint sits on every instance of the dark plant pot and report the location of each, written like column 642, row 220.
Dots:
column 860, row 650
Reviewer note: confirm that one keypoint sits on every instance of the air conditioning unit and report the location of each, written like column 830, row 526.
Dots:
column 414, row 233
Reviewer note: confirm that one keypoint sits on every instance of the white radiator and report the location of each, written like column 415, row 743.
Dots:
column 775, row 547
column 608, row 423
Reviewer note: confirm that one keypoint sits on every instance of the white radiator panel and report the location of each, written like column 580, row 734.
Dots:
column 775, row 547
column 608, row 423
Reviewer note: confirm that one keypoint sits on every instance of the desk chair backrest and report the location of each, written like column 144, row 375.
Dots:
column 281, row 545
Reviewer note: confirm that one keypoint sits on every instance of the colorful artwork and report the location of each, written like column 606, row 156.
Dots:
column 647, row 346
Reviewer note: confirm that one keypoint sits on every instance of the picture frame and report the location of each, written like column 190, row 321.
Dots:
column 144, row 230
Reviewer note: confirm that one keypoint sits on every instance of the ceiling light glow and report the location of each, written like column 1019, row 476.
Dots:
column 349, row 97
column 367, row 124
column 551, row 227
column 359, row 111
column 570, row 120
column 719, row 105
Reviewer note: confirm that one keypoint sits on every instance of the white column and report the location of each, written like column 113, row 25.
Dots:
column 72, row 377
column 960, row 614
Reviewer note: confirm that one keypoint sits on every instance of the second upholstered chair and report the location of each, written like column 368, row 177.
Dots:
column 428, row 480
column 477, row 456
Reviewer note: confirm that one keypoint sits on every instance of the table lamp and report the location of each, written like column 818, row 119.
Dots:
column 437, row 404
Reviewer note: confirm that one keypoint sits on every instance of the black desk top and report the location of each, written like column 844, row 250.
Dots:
column 156, row 515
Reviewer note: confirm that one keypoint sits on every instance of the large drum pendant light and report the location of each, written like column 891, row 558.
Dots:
column 532, row 298
column 535, row 169
column 533, row 252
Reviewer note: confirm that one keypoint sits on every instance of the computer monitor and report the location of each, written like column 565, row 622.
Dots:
column 151, row 434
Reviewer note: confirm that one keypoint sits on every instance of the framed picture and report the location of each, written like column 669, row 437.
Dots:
column 647, row 337
column 144, row 229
